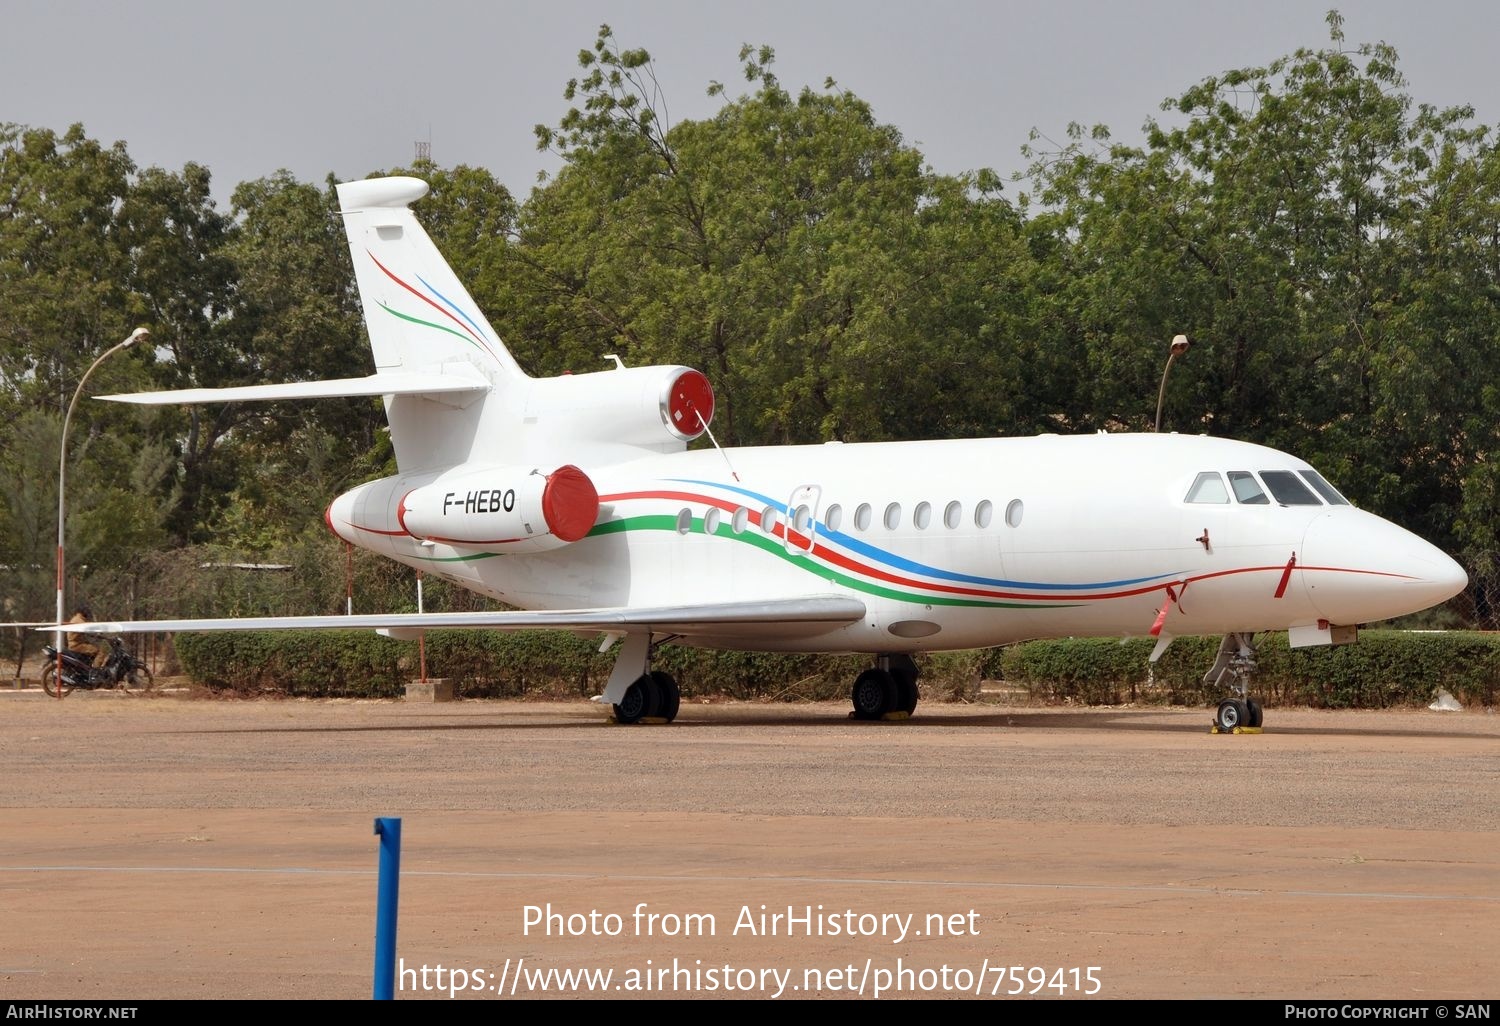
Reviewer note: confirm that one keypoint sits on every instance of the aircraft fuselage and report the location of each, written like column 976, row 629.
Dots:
column 950, row 544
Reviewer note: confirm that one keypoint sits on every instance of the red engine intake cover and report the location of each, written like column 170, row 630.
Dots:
column 570, row 503
column 689, row 397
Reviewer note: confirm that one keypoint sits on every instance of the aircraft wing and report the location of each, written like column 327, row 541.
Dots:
column 713, row 619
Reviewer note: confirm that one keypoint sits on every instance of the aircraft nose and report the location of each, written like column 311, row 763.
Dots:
column 1360, row 568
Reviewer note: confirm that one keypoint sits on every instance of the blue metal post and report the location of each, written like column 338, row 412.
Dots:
column 389, row 832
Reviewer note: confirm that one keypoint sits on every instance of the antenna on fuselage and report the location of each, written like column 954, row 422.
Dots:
column 1180, row 344
column 699, row 414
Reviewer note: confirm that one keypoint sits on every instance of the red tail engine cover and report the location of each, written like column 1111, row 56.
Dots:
column 687, row 407
column 503, row 509
column 660, row 408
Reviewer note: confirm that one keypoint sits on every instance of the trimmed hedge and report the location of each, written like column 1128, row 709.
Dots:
column 1384, row 669
column 492, row 664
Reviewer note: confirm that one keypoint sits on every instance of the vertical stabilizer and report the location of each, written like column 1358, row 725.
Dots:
column 421, row 319
column 417, row 312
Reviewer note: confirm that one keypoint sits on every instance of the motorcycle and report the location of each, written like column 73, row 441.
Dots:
column 120, row 670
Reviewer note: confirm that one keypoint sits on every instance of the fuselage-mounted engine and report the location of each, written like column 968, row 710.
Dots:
column 502, row 508
column 596, row 416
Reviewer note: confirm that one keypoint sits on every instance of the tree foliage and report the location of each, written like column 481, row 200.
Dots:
column 792, row 246
column 1330, row 245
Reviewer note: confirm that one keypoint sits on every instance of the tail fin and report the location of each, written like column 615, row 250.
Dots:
column 417, row 312
column 423, row 321
column 453, row 393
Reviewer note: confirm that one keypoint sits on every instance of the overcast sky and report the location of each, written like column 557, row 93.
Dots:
column 319, row 86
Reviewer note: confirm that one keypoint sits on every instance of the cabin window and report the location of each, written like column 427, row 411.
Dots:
column 1323, row 488
column 1209, row 487
column 802, row 519
column 922, row 516
column 953, row 515
column 684, row 520
column 1014, row 512
column 984, row 513
column 862, row 516
column 711, row 521
column 1288, row 488
column 834, row 517
column 1246, row 489
column 892, row 516
column 740, row 521
column 769, row 518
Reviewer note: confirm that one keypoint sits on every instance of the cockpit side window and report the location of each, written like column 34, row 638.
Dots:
column 1209, row 487
column 1288, row 488
column 1323, row 488
column 1246, row 490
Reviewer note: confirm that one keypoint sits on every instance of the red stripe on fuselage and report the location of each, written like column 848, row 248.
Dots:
column 841, row 560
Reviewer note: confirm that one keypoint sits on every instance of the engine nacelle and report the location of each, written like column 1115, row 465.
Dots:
column 660, row 408
column 504, row 509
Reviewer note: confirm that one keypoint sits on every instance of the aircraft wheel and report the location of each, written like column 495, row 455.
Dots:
column 906, row 695
column 904, row 671
column 1232, row 713
column 1257, row 714
column 671, row 695
column 642, row 699
column 874, row 694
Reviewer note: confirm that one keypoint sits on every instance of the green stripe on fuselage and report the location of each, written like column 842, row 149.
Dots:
column 774, row 546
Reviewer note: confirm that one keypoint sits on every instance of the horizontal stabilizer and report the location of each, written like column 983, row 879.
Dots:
column 685, row 620
column 376, row 384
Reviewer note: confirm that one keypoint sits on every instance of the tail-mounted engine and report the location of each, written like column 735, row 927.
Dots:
column 658, row 408
column 504, row 509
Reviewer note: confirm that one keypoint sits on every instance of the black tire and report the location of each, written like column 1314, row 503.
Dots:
column 670, row 693
column 49, row 673
column 642, row 700
column 1257, row 714
column 141, row 677
column 1232, row 714
column 906, row 694
column 873, row 694
column 904, row 670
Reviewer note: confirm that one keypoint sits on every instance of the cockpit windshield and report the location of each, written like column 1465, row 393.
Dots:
column 1208, row 487
column 1288, row 488
column 1323, row 488
column 1246, row 490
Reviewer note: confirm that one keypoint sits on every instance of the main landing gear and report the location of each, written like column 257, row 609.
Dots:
column 886, row 690
column 653, row 696
column 1233, row 669
column 637, row 693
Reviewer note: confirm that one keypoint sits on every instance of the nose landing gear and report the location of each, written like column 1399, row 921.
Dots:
column 1233, row 669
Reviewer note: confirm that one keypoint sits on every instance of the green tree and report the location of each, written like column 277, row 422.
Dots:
column 64, row 294
column 1288, row 223
column 791, row 246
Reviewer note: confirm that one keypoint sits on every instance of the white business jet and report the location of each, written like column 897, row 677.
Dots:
column 575, row 500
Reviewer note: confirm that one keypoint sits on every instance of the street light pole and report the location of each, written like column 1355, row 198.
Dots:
column 137, row 335
column 1180, row 345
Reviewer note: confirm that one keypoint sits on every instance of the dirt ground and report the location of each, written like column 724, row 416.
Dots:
column 167, row 847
